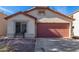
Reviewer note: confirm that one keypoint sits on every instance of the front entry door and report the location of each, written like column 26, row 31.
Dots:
column 20, row 28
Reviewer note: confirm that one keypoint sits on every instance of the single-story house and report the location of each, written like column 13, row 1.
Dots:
column 41, row 22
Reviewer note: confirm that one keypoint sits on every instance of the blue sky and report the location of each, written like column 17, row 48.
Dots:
column 62, row 9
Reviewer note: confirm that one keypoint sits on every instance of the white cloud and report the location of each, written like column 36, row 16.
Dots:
column 5, row 10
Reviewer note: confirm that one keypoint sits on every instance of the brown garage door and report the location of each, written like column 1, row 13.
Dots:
column 55, row 30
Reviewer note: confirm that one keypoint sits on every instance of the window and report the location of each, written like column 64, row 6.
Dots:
column 20, row 27
column 41, row 11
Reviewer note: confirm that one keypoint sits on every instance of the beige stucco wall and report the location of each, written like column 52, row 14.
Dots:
column 51, row 17
column 3, row 23
column 21, row 18
column 76, row 24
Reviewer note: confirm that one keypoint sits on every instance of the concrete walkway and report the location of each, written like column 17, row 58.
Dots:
column 56, row 45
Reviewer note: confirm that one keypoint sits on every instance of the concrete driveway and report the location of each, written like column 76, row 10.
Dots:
column 56, row 45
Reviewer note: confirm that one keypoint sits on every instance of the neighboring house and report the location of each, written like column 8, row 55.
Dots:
column 76, row 23
column 3, row 24
column 41, row 22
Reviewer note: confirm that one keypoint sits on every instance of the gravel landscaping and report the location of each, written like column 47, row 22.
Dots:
column 17, row 45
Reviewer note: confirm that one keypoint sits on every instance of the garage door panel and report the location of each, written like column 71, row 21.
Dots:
column 52, row 30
